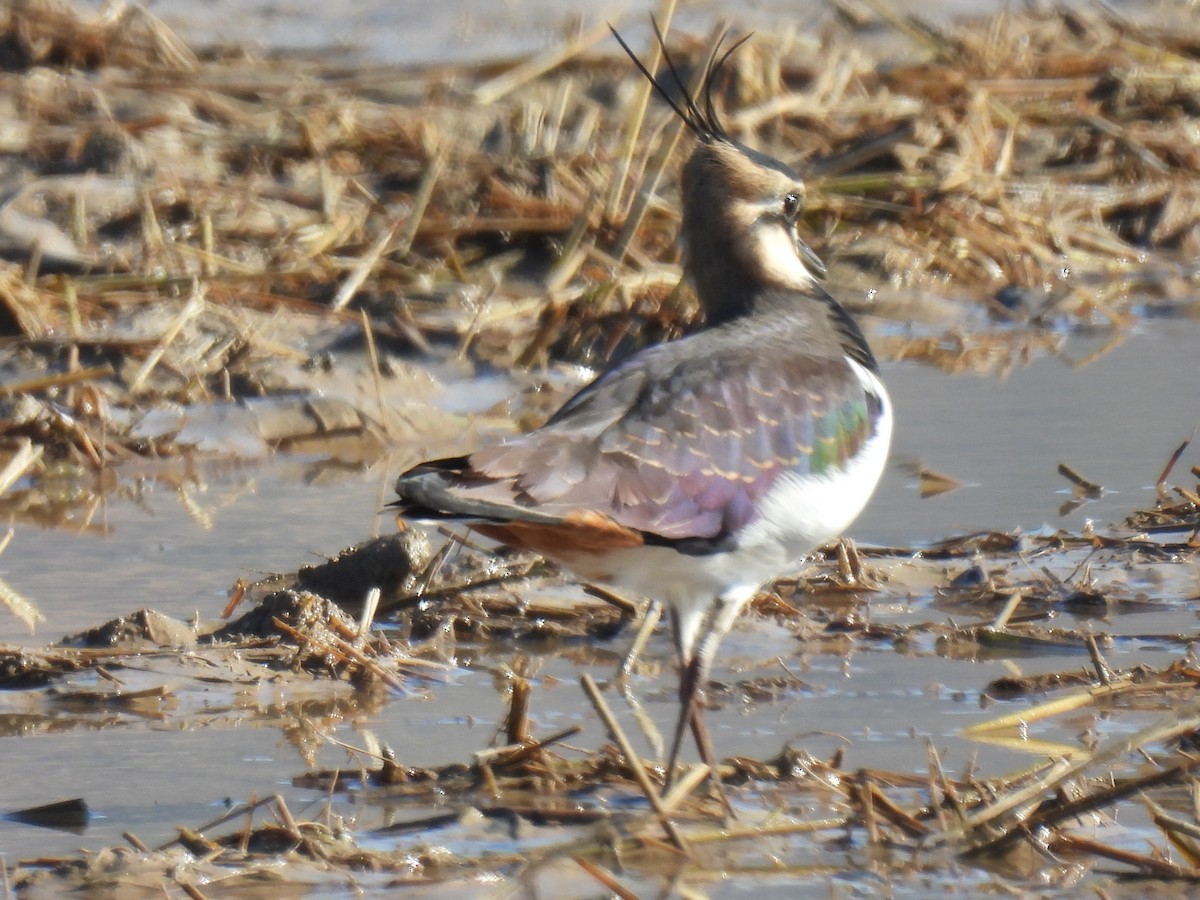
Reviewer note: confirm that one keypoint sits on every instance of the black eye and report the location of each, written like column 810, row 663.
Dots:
column 791, row 206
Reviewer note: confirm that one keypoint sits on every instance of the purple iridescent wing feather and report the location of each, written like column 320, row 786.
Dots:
column 687, row 452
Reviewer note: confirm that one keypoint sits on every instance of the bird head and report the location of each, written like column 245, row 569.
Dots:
column 740, row 206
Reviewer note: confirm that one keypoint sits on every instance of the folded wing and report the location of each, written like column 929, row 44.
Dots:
column 676, row 451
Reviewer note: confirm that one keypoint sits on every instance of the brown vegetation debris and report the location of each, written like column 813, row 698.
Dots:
column 58, row 33
column 1177, row 508
column 21, row 669
column 173, row 235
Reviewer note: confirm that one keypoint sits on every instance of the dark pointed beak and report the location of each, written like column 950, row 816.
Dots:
column 811, row 261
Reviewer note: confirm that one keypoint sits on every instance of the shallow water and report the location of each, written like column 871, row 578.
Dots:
column 466, row 31
column 1116, row 421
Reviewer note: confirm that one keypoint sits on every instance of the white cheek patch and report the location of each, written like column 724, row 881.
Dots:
column 775, row 254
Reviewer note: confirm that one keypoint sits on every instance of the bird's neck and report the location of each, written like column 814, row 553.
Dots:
column 730, row 276
column 730, row 290
column 724, row 295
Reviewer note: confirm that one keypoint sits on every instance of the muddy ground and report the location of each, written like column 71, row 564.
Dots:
column 227, row 257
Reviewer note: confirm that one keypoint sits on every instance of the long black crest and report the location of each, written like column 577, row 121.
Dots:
column 702, row 122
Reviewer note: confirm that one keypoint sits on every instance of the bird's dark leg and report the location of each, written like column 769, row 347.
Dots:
column 688, row 686
column 704, row 745
column 692, row 681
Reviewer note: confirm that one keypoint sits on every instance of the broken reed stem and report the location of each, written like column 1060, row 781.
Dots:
column 235, row 813
column 645, row 193
column 972, row 827
column 1073, row 701
column 809, row 826
column 1104, row 672
column 516, row 723
column 60, row 379
column 348, row 651
column 285, row 817
column 21, row 607
column 515, row 754
column 883, row 805
column 1183, row 835
column 1152, row 866
column 383, row 244
column 1055, row 814
column 1010, row 607
column 649, row 621
column 866, row 803
column 605, row 878
column 25, row 457
column 632, row 760
column 685, row 785
column 1164, row 820
column 364, row 267
column 208, row 245
column 370, row 607
column 191, row 310
column 637, row 116
column 248, row 829
column 420, row 203
column 236, row 594
column 1087, row 488
column 135, row 842
column 1166, row 472
column 625, row 605
column 377, row 376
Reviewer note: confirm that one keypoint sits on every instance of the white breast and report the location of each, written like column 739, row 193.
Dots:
column 802, row 512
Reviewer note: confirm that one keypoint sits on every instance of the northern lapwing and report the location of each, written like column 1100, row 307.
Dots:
column 696, row 471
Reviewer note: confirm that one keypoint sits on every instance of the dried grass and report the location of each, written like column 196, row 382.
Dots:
column 1041, row 165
